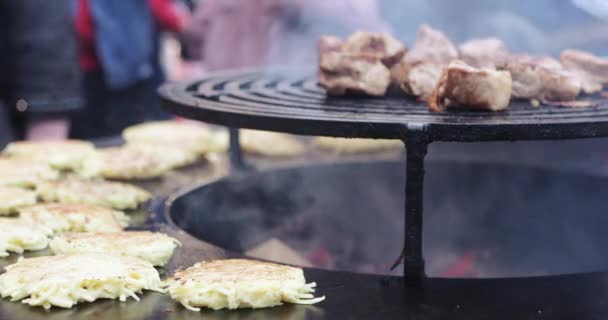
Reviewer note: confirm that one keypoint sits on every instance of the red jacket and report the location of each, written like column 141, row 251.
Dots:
column 165, row 17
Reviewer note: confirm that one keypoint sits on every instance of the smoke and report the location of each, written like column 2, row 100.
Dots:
column 596, row 8
column 541, row 26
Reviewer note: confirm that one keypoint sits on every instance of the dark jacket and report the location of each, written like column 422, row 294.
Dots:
column 38, row 60
column 125, row 40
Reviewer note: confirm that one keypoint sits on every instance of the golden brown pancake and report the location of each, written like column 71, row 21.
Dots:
column 64, row 217
column 187, row 135
column 62, row 155
column 357, row 145
column 153, row 247
column 115, row 195
column 24, row 173
column 270, row 144
column 239, row 283
column 12, row 198
column 128, row 162
column 65, row 280
column 18, row 236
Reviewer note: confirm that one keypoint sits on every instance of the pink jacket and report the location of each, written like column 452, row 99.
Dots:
column 246, row 33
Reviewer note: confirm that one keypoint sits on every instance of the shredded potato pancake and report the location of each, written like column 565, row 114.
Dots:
column 239, row 283
column 66, row 280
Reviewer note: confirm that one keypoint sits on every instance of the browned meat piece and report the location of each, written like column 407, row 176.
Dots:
column 526, row 79
column 577, row 59
column 381, row 45
column 543, row 61
column 589, row 84
column 482, row 52
column 423, row 78
column 359, row 64
column 329, row 44
column 548, row 62
column 431, row 46
column 541, row 78
column 559, row 85
column 590, row 69
column 463, row 86
column 341, row 72
column 417, row 79
column 400, row 72
column 419, row 71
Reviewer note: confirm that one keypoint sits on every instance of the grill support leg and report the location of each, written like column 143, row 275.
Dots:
column 413, row 260
column 235, row 152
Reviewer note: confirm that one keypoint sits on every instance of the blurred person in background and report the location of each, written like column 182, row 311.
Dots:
column 39, row 76
column 119, row 44
column 237, row 34
column 228, row 34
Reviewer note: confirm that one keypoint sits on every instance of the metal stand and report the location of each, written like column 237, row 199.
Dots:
column 236, row 154
column 413, row 260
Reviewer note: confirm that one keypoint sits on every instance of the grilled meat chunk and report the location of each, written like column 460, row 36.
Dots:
column 342, row 72
column 589, row 84
column 527, row 83
column 359, row 64
column 543, row 61
column 382, row 45
column 590, row 69
column 463, row 86
column 547, row 62
column 482, row 53
column 431, row 46
column 559, row 85
column 417, row 79
column 419, row 71
column 541, row 78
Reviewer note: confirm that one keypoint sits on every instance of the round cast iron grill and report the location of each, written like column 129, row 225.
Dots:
column 290, row 100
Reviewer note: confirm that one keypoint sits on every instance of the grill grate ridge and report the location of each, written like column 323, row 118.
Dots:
column 290, row 100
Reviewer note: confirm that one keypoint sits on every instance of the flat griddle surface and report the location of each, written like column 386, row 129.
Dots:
column 349, row 296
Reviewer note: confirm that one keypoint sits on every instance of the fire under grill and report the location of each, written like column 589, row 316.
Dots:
column 289, row 100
